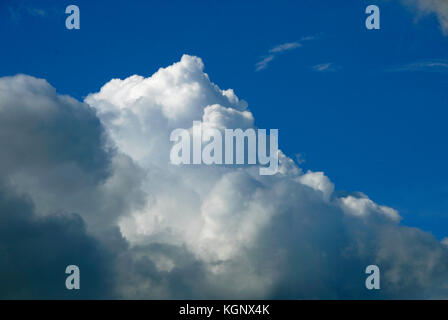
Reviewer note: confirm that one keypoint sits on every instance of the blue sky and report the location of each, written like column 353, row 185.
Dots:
column 374, row 122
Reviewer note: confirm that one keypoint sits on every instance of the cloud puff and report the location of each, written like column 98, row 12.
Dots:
column 52, row 149
column 170, row 231
column 56, row 151
column 61, row 191
column 436, row 7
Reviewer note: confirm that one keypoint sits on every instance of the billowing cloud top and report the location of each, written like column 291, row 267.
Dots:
column 101, row 170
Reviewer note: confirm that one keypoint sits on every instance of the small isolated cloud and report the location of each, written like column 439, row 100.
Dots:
column 325, row 67
column 273, row 52
column 424, row 66
column 285, row 46
column 427, row 7
column 262, row 64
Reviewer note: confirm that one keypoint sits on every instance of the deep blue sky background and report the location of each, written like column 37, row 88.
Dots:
column 368, row 126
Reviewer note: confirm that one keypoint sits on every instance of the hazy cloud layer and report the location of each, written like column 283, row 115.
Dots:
column 96, row 177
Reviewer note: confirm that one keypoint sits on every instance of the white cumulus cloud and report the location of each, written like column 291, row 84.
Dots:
column 241, row 225
column 193, row 231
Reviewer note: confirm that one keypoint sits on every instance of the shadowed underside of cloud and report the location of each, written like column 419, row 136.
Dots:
column 91, row 184
column 36, row 250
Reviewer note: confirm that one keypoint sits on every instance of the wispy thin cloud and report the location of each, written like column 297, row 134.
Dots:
column 309, row 38
column 423, row 66
column 36, row 12
column 273, row 52
column 16, row 12
column 325, row 67
column 285, row 47
column 262, row 64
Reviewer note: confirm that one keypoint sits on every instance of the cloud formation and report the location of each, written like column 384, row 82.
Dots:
column 427, row 7
column 148, row 229
column 53, row 157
